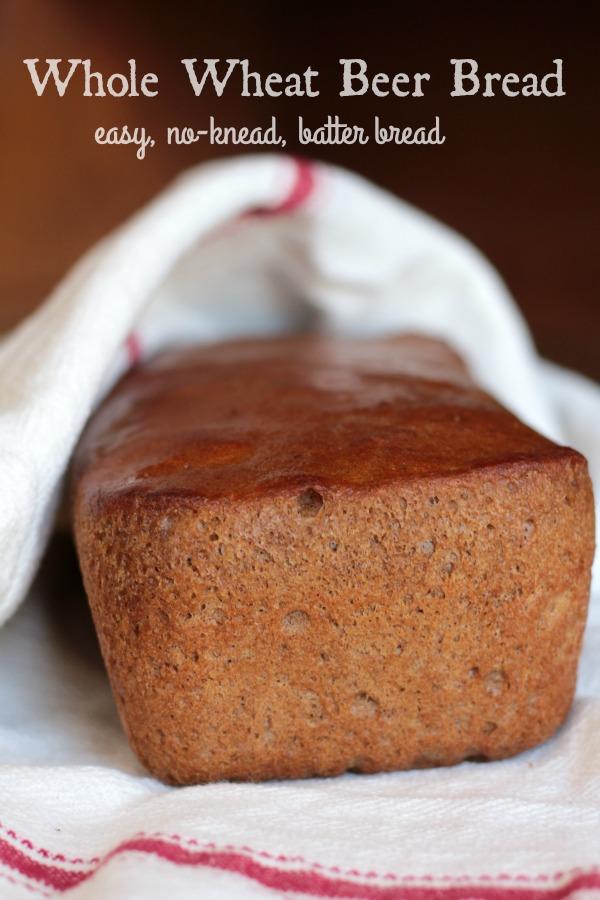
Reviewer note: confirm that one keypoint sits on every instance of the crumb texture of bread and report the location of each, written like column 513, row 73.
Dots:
column 306, row 556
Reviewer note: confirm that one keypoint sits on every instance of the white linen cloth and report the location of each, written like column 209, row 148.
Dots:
column 255, row 245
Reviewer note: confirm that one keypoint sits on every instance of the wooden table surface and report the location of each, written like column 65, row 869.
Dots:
column 519, row 177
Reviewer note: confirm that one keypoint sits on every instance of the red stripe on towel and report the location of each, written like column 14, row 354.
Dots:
column 310, row 879
column 47, row 874
column 133, row 346
column 301, row 188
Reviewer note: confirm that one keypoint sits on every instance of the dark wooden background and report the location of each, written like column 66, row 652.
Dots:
column 519, row 177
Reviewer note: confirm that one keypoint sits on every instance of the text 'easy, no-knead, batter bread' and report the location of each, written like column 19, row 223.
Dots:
column 309, row 555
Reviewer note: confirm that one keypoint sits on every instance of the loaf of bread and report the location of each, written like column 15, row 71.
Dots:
column 311, row 555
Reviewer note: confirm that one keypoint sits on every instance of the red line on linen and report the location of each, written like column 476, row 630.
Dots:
column 310, row 880
column 133, row 346
column 44, row 873
column 47, row 854
column 302, row 187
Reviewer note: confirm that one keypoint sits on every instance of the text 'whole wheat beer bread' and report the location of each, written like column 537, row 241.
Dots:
column 311, row 555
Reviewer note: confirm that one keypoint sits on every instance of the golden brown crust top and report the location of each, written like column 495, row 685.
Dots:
column 257, row 417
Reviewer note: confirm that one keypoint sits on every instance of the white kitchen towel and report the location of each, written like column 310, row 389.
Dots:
column 256, row 245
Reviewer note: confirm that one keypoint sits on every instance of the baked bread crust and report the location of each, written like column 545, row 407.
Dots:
column 311, row 555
